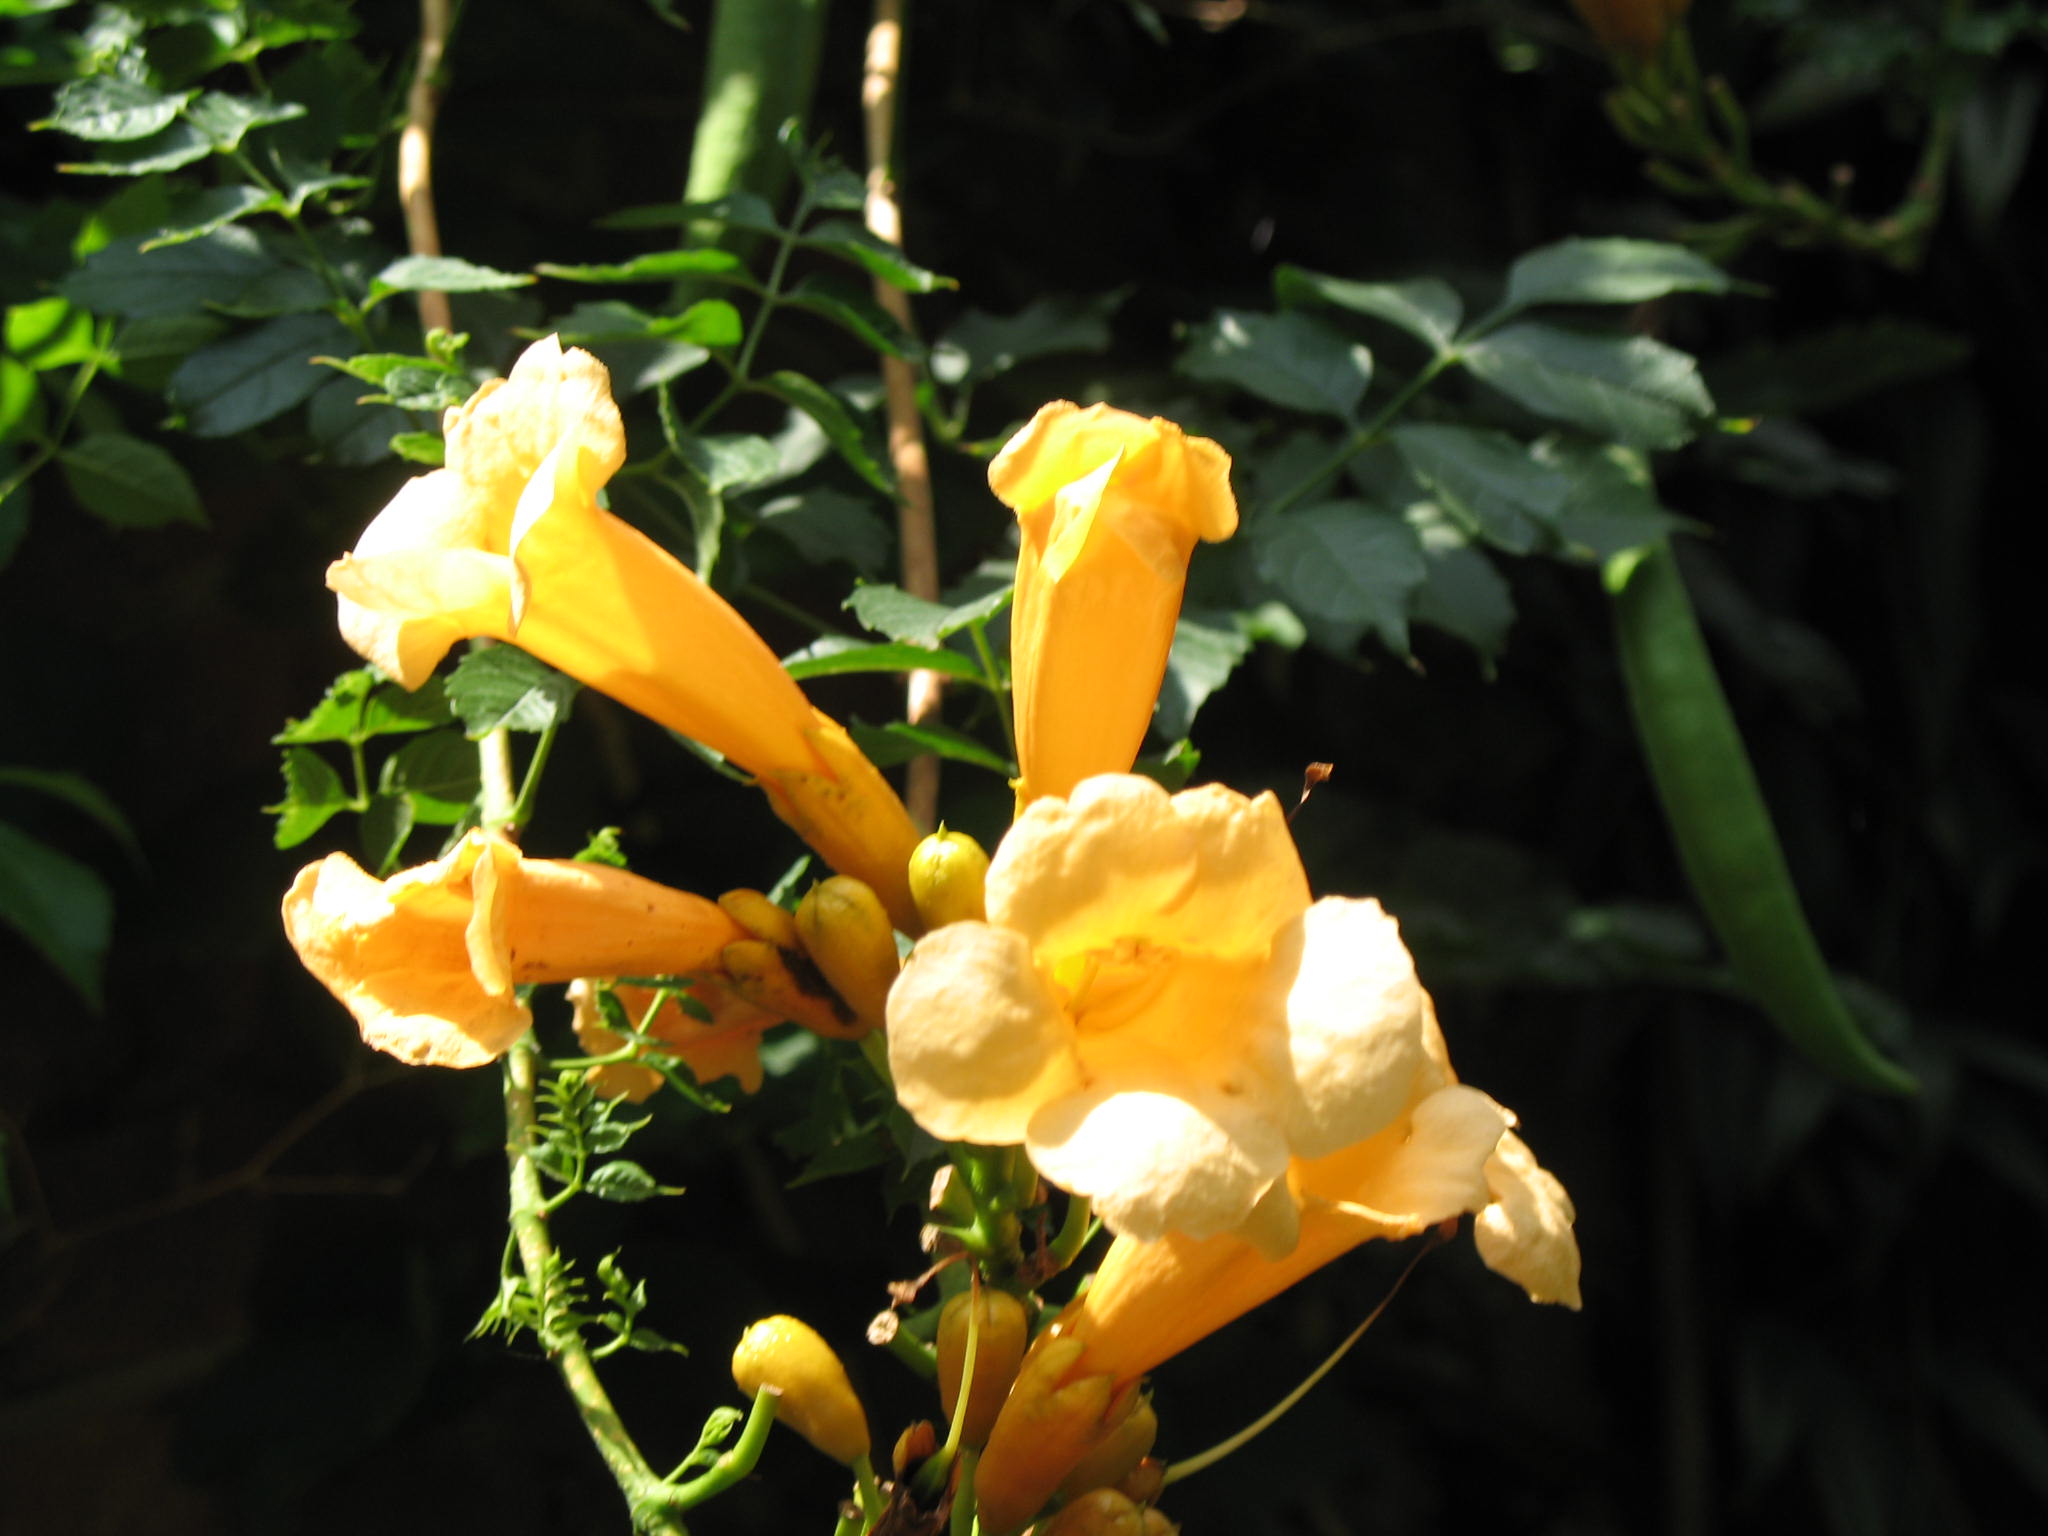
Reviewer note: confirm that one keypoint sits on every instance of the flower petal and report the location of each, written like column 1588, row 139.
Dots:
column 1157, row 1162
column 1355, row 1026
column 977, row 1041
column 1250, row 884
column 496, row 441
column 1525, row 1232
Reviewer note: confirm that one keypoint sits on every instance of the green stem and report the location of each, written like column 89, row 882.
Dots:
column 730, row 1467
column 522, row 808
column 74, row 397
column 1073, row 1234
column 528, row 1217
column 868, row 1491
column 983, row 653
column 1371, row 432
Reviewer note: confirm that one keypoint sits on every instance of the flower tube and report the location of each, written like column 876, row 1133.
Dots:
column 1109, row 507
column 427, row 961
column 728, row 1044
column 508, row 541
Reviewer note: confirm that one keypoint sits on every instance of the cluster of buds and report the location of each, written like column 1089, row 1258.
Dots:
column 1631, row 29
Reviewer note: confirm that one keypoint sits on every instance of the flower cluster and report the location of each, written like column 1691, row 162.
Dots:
column 1138, row 989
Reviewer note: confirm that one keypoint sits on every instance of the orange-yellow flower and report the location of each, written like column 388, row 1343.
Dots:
column 427, row 960
column 1109, row 507
column 728, row 1044
column 508, row 541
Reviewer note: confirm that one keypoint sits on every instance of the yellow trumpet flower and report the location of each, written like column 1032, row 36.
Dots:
column 1109, row 508
column 508, row 541
column 427, row 960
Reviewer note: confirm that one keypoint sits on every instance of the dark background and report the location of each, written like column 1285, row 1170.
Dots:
column 1805, row 1309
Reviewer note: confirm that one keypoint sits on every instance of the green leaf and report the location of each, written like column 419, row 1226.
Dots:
column 1346, row 563
column 1286, row 358
column 742, row 210
column 122, row 279
column 1462, row 594
column 980, row 346
column 361, row 704
column 313, row 796
column 104, row 109
column 21, row 400
column 351, row 430
column 50, row 333
column 899, row 741
column 1488, row 480
column 166, row 150
column 825, row 525
column 420, row 448
column 836, row 421
column 81, row 794
column 211, row 210
column 732, row 461
column 503, row 688
column 1172, row 768
column 438, row 773
column 1612, row 271
column 441, row 274
column 384, row 827
column 1611, row 504
column 837, row 656
column 626, row 1183
column 602, row 847
column 1628, row 388
column 915, row 620
column 853, row 242
column 226, row 120
column 656, row 267
column 129, row 483
column 855, row 313
column 234, row 385
column 1204, row 655
column 706, row 323
column 59, row 906
column 1427, row 308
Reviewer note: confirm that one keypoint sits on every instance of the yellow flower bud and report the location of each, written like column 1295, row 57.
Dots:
column 1117, row 1455
column 1048, row 1424
column 947, row 873
column 849, row 938
column 1105, row 1512
column 1001, row 1332
column 760, row 917
column 817, row 1400
column 760, row 972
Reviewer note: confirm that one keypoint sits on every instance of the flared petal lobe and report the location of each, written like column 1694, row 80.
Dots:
column 428, row 960
column 508, row 542
column 1109, row 508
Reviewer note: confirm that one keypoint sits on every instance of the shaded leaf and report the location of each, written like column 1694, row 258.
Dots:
column 1286, row 358
column 1487, row 480
column 1610, row 271
column 438, row 772
column 855, row 243
column 59, row 907
column 838, row 656
column 836, row 421
column 1628, row 388
column 105, row 109
column 500, row 687
column 129, row 483
column 899, row 741
column 827, row 525
column 1204, row 654
column 240, row 383
column 442, row 274
column 980, row 346
column 892, row 611
column 1344, row 562
column 1427, row 308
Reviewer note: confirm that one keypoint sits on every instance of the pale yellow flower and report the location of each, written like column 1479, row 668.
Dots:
column 1245, row 1083
column 1109, row 507
column 508, row 541
column 728, row 1044
column 427, row 960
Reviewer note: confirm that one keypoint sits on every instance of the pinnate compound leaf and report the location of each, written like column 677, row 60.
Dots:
column 59, row 907
column 503, row 688
column 1628, row 388
column 1426, row 308
column 313, row 796
column 1611, row 271
column 1346, row 564
column 129, row 483
column 1288, row 358
column 1487, row 480
column 242, row 382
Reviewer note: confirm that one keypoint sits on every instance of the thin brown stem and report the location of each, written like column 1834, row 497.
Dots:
column 416, row 156
column 916, row 516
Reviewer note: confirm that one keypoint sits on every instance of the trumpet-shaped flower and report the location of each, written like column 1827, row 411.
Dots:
column 1157, row 1011
column 727, row 1044
column 508, row 541
column 427, row 960
column 1109, row 507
